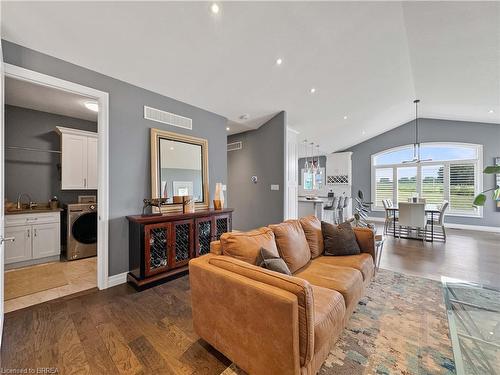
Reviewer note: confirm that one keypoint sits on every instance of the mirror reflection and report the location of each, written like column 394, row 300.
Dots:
column 180, row 170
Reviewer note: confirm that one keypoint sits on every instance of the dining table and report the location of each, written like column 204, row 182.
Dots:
column 430, row 210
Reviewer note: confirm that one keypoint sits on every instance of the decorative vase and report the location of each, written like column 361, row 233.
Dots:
column 218, row 197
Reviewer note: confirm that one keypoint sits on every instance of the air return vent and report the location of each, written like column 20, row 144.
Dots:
column 234, row 146
column 154, row 114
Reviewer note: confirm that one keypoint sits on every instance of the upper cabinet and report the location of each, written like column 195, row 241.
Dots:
column 78, row 159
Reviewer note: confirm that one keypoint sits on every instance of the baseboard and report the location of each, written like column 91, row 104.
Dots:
column 115, row 280
column 480, row 228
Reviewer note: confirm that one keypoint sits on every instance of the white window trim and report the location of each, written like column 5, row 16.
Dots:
column 478, row 174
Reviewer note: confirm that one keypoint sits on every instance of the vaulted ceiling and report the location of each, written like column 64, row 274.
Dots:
column 367, row 61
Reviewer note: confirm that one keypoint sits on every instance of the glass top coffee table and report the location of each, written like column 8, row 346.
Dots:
column 474, row 321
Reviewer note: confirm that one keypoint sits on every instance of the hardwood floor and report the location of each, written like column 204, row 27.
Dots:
column 121, row 331
column 468, row 255
column 117, row 331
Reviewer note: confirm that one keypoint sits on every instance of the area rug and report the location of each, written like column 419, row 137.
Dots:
column 400, row 327
column 33, row 279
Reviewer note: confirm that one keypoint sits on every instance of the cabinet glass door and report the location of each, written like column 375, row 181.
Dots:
column 156, row 238
column 182, row 243
column 222, row 224
column 203, row 235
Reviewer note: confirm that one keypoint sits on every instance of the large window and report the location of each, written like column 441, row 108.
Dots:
column 447, row 171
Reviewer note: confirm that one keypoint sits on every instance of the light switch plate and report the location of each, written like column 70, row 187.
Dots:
column 275, row 187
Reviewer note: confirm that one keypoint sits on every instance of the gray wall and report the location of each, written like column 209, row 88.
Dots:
column 37, row 173
column 129, row 143
column 431, row 130
column 262, row 155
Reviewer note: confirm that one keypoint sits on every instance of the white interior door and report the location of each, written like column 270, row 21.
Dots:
column 2, row 213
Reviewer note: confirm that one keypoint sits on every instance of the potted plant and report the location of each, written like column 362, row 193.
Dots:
column 480, row 199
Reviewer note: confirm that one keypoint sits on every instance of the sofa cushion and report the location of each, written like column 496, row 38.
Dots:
column 362, row 262
column 329, row 311
column 312, row 230
column 246, row 246
column 339, row 239
column 292, row 244
column 347, row 281
column 270, row 262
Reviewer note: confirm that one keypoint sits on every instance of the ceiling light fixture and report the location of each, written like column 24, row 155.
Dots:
column 345, row 117
column 279, row 61
column 416, row 144
column 312, row 91
column 491, row 111
column 363, row 132
column 214, row 8
column 228, row 128
column 171, row 148
column 93, row 106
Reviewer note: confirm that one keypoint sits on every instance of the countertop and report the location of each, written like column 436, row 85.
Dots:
column 32, row 211
column 315, row 200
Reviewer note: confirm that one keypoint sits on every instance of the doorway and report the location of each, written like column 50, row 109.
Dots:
column 83, row 259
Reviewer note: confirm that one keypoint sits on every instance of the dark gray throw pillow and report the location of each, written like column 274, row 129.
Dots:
column 269, row 261
column 339, row 239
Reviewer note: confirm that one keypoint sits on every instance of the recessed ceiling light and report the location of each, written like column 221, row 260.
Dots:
column 92, row 106
column 171, row 148
column 491, row 111
column 228, row 128
column 312, row 91
column 279, row 61
column 214, row 8
column 363, row 132
column 345, row 117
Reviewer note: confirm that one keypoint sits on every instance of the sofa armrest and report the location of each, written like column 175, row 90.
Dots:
column 366, row 240
column 254, row 323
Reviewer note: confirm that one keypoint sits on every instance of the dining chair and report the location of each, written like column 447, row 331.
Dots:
column 388, row 216
column 412, row 216
column 439, row 222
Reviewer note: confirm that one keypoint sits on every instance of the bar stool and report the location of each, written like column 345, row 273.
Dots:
column 340, row 210
column 332, row 209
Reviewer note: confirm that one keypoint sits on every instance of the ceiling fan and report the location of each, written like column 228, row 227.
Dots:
column 416, row 144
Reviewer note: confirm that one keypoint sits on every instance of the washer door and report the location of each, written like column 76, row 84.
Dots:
column 84, row 228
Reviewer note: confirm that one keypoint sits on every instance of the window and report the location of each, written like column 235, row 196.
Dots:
column 384, row 185
column 448, row 171
column 407, row 183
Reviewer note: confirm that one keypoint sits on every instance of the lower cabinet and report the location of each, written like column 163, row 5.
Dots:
column 161, row 246
column 36, row 236
column 18, row 250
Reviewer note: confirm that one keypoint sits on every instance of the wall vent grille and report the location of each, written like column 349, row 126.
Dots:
column 234, row 146
column 337, row 180
column 157, row 115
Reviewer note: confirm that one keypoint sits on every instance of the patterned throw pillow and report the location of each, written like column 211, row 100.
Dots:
column 339, row 239
column 269, row 261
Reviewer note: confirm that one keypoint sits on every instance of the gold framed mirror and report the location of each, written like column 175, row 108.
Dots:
column 179, row 167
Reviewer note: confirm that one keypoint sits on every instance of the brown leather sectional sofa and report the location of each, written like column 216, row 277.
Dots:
column 270, row 323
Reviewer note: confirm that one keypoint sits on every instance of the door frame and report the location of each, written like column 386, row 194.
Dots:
column 102, row 99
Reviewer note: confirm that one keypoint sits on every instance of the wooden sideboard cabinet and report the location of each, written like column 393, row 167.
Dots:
column 160, row 246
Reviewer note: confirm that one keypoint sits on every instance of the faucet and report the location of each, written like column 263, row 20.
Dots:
column 30, row 203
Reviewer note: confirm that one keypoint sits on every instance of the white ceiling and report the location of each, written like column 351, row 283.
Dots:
column 367, row 60
column 47, row 99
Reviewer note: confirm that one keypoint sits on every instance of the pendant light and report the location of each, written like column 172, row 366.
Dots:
column 416, row 144
column 306, row 164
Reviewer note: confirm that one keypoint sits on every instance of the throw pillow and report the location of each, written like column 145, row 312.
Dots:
column 292, row 244
column 339, row 239
column 269, row 261
column 246, row 246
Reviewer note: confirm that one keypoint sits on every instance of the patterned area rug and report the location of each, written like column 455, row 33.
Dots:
column 400, row 327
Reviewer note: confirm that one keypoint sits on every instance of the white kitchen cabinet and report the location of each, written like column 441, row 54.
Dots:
column 18, row 250
column 46, row 239
column 91, row 163
column 78, row 159
column 37, row 235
